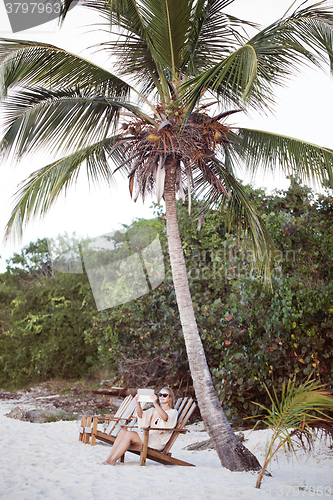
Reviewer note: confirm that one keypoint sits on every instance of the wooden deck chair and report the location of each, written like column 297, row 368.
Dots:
column 185, row 408
column 111, row 421
column 128, row 419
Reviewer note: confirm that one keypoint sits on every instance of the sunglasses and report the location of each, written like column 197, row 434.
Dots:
column 163, row 395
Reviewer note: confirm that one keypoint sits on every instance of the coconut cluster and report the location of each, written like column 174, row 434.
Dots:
column 192, row 143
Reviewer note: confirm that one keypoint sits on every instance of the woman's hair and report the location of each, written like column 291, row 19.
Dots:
column 172, row 396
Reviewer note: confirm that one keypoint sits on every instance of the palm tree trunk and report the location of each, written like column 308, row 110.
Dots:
column 232, row 453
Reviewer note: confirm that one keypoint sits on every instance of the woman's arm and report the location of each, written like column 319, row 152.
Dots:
column 160, row 411
column 138, row 407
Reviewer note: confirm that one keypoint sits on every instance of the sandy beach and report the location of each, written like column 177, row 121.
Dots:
column 47, row 461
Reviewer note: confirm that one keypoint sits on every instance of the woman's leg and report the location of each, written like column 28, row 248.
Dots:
column 128, row 438
column 116, row 443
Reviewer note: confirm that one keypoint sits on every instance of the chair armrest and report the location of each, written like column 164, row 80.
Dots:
column 183, row 431
column 116, row 419
column 101, row 417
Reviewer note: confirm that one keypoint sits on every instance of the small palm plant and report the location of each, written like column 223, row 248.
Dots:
column 303, row 414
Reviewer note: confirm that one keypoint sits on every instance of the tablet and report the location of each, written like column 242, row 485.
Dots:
column 144, row 395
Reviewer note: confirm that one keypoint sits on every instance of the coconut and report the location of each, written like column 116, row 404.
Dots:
column 153, row 138
column 217, row 136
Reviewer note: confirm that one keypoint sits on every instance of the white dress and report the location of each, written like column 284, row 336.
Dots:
column 157, row 439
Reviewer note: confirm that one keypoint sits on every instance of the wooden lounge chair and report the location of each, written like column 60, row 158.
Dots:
column 185, row 408
column 112, row 423
column 127, row 419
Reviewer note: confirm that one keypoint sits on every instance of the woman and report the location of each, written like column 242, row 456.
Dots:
column 162, row 415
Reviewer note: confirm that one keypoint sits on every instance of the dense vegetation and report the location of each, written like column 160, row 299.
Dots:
column 251, row 334
column 43, row 317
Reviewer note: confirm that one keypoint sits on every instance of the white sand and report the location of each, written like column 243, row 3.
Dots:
column 46, row 461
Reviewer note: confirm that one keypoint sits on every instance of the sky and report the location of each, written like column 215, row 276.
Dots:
column 304, row 109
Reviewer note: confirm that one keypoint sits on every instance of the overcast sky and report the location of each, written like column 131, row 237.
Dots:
column 304, row 110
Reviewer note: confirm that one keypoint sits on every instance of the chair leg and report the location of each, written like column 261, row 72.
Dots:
column 94, row 430
column 87, row 435
column 83, row 424
column 122, row 458
column 143, row 454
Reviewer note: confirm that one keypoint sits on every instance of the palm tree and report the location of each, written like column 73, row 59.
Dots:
column 300, row 416
column 181, row 57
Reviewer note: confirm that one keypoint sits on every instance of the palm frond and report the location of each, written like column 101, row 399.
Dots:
column 133, row 49
column 139, row 26
column 34, row 63
column 114, row 11
column 135, row 59
column 168, row 22
column 240, row 215
column 212, row 36
column 317, row 428
column 42, row 119
column 304, row 37
column 297, row 403
column 269, row 151
column 250, row 73
column 66, row 5
column 301, row 412
column 230, row 80
column 42, row 188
